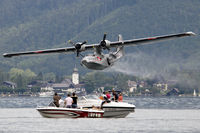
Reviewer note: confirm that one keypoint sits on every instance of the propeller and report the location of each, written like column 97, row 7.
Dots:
column 77, row 47
column 103, row 42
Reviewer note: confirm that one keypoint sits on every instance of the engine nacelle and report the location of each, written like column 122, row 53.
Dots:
column 82, row 48
column 107, row 43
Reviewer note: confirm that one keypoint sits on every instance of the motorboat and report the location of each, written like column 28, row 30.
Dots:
column 89, row 108
column 55, row 112
column 111, row 109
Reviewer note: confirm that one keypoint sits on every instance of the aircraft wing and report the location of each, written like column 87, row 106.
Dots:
column 50, row 51
column 133, row 42
column 149, row 40
column 46, row 51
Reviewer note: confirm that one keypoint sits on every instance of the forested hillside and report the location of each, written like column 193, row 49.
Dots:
column 41, row 24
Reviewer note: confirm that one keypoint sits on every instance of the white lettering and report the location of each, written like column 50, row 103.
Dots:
column 94, row 115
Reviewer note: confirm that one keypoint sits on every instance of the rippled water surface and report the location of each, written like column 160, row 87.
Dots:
column 140, row 102
column 153, row 115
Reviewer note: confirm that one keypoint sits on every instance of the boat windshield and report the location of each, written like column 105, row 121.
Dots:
column 51, row 104
column 93, row 97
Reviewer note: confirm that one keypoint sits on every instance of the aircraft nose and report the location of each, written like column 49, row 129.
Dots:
column 84, row 62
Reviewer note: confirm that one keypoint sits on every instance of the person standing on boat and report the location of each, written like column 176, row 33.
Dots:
column 56, row 99
column 75, row 98
column 120, row 99
column 108, row 95
column 105, row 99
column 68, row 101
column 115, row 96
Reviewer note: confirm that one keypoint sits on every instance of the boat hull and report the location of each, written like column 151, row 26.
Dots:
column 112, row 109
column 117, row 112
column 54, row 112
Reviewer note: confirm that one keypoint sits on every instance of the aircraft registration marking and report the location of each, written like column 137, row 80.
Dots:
column 99, row 58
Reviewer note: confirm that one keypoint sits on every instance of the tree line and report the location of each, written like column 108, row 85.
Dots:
column 94, row 80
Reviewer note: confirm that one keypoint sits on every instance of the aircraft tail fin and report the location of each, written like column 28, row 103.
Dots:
column 120, row 38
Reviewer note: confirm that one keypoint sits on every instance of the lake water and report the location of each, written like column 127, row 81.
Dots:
column 152, row 115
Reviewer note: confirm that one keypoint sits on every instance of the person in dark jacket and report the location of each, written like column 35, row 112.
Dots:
column 56, row 99
column 115, row 96
column 75, row 98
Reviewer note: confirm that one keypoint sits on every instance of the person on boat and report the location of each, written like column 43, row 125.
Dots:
column 105, row 99
column 75, row 98
column 120, row 99
column 56, row 99
column 115, row 96
column 68, row 101
column 108, row 95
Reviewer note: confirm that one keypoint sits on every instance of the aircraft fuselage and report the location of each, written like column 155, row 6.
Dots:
column 95, row 62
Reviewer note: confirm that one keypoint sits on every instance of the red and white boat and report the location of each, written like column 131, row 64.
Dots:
column 55, row 112
column 109, row 110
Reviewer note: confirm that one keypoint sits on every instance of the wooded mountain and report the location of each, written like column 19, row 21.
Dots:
column 43, row 24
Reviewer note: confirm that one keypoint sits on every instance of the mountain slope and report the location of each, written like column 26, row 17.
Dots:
column 32, row 25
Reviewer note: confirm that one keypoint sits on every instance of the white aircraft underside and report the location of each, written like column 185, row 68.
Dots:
column 95, row 62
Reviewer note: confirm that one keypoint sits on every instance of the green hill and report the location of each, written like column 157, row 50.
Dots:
column 41, row 24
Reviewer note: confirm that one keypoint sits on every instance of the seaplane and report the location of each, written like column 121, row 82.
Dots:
column 98, row 60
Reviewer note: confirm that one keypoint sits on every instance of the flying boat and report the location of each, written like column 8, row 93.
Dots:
column 98, row 60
